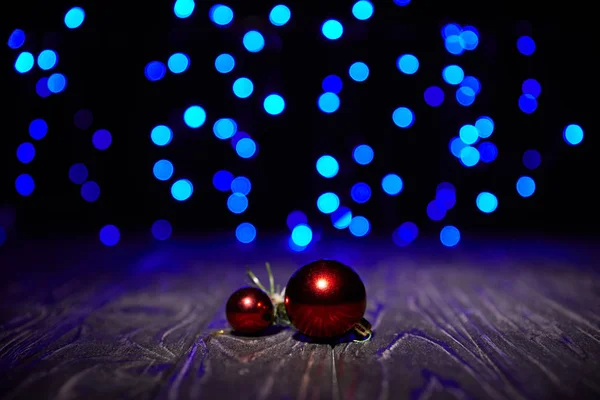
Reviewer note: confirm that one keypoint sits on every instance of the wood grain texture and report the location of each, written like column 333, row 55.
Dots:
column 457, row 325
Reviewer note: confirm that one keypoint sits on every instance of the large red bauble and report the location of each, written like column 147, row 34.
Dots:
column 325, row 298
column 249, row 310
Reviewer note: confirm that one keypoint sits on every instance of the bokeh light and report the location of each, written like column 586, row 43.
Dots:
column 453, row 74
column 486, row 202
column 16, row 39
column 363, row 154
column 161, row 135
column 469, row 156
column 473, row 83
column 527, row 103
column 182, row 190
column 90, row 191
column 280, row 15
column 445, row 196
column 242, row 185
column 302, row 235
column 163, row 170
column 359, row 226
column 341, row 218
column 41, row 87
column 469, row 134
column 74, row 17
column 405, row 234
column 328, row 102
column 24, row 62
column 402, row 3
column 237, row 203
column 220, row 14
column 465, row 96
column 359, row 71
column 360, row 192
column 25, row 185
column 526, row 45
column 328, row 202
column 487, row 151
column 532, row 159
column 435, row 211
column 102, row 139
column 246, row 148
column 573, row 134
column 332, row 83
column 38, row 129
column 456, row 145
column 327, row 166
column 155, row 71
column 224, row 63
column 224, row 128
column 57, row 83
column 26, row 152
column 110, row 235
column 78, row 173
column 392, row 184
column 222, row 181
column 83, row 119
column 408, row 64
column 253, row 41
column 162, row 229
column 403, row 117
column 434, row 96
column 525, row 186
column 47, row 59
column 178, row 63
column 194, row 117
column 362, row 10
column 332, row 29
column 485, row 127
column 274, row 104
column 184, row 8
column 296, row 218
column 532, row 87
column 245, row 233
column 450, row 236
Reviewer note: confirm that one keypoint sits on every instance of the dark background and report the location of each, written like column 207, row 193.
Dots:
column 104, row 62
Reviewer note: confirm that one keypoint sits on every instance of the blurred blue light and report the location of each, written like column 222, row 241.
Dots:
column 485, row 127
column 449, row 236
column 25, row 185
column 162, row 229
column 24, row 62
column 456, row 146
column 328, row 102
column 302, row 235
column 224, row 63
column 359, row 71
column 526, row 45
column 487, row 151
column 26, row 152
column 184, row 8
column 155, row 71
column 469, row 156
column 78, row 173
column 220, row 14
column 294, row 247
column 532, row 87
column 328, row 202
column 38, row 128
column 434, row 96
column 245, row 233
column 161, row 135
column 402, row 3
column 573, row 134
column 527, row 103
column 405, row 234
column 163, row 170
column 2, row 235
column 469, row 38
column 90, row 191
column 83, row 119
column 451, row 30
column 274, row 104
column 41, row 87
column 237, row 203
column 182, row 189
column 16, row 39
column 408, row 64
column 224, row 128
column 469, row 134
column 453, row 74
column 245, row 148
column 392, row 184
column 57, row 83
column 47, row 59
column 445, row 196
column 178, row 63
column 465, row 96
column 436, row 211
column 332, row 29
column 194, row 117
column 243, row 88
column 253, row 41
column 525, row 186
column 222, row 181
column 280, row 15
column 74, row 17
column 242, row 185
column 363, row 154
column 486, row 202
column 341, row 217
column 332, row 83
column 327, row 166
column 360, row 192
column 296, row 218
column 362, row 10
column 532, row 159
column 454, row 44
column 473, row 83
column 110, row 235
column 359, row 226
column 102, row 139
column 403, row 117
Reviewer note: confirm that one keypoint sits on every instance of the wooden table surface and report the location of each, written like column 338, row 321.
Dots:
column 495, row 321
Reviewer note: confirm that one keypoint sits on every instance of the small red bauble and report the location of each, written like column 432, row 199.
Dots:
column 325, row 299
column 249, row 310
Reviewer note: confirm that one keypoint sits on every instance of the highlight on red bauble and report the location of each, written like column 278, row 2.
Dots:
column 325, row 299
column 249, row 310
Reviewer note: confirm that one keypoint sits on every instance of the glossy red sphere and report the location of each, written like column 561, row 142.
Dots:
column 325, row 298
column 249, row 310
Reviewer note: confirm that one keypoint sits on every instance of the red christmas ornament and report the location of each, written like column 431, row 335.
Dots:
column 326, row 298
column 249, row 310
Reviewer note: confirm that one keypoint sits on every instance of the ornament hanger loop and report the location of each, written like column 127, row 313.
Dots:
column 364, row 329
